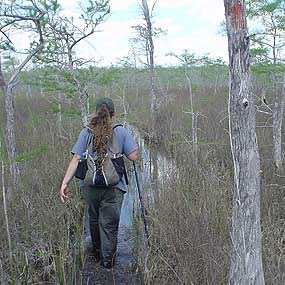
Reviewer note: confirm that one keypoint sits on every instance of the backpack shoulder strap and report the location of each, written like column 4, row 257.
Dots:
column 90, row 136
column 114, row 126
column 116, row 150
column 113, row 145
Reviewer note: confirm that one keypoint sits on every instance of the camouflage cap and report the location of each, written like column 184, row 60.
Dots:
column 108, row 102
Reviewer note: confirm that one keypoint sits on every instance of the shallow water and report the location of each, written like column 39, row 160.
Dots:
column 153, row 168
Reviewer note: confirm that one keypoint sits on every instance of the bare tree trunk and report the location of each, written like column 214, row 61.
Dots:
column 6, row 212
column 216, row 83
column 11, row 140
column 59, row 122
column 150, row 56
column 194, row 120
column 10, row 132
column 277, row 122
column 9, row 108
column 123, row 102
column 82, row 96
column 246, row 258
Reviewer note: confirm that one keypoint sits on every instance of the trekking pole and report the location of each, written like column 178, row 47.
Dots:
column 141, row 202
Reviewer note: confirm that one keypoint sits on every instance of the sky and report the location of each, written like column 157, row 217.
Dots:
column 190, row 24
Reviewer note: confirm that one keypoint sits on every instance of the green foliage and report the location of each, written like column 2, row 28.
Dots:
column 266, row 68
column 264, row 7
column 9, row 62
column 29, row 16
column 35, row 153
column 268, row 38
column 62, row 34
column 51, row 80
column 65, row 111
column 259, row 52
column 6, row 45
column 109, row 76
column 95, row 11
column 190, row 59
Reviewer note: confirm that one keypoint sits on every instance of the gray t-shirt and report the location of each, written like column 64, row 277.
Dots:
column 126, row 143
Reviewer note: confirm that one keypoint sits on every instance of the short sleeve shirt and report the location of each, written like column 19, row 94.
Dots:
column 126, row 143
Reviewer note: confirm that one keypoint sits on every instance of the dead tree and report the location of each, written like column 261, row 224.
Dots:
column 278, row 112
column 246, row 257
column 16, row 16
column 150, row 53
column 145, row 33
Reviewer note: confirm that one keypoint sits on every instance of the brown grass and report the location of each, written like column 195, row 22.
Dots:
column 190, row 220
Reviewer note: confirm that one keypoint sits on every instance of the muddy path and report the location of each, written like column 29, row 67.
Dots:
column 152, row 168
column 125, row 270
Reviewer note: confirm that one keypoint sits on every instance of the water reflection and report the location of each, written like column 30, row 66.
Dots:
column 153, row 170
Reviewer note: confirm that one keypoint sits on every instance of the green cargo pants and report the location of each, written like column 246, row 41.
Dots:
column 104, row 209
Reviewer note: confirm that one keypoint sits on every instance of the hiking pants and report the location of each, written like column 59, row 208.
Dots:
column 104, row 209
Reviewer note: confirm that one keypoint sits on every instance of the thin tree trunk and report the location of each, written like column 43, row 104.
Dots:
column 246, row 258
column 216, row 83
column 124, row 105
column 7, row 89
column 277, row 123
column 194, row 120
column 80, row 90
column 5, row 211
column 11, row 140
column 10, row 132
column 150, row 56
column 59, row 113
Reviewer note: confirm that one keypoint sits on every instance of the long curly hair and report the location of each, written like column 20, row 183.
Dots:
column 101, row 127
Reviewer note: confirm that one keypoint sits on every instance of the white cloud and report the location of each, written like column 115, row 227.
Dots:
column 191, row 24
column 198, row 32
column 111, row 43
column 210, row 12
column 198, row 43
column 118, row 5
column 172, row 4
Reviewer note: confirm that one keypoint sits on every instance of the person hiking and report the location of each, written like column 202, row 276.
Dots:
column 104, row 202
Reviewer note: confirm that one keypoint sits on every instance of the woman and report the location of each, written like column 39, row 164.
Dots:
column 104, row 203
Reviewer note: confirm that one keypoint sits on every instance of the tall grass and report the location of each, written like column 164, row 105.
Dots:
column 46, row 235
column 190, row 214
column 191, row 219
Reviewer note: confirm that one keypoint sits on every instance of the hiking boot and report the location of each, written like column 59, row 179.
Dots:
column 107, row 265
column 96, row 255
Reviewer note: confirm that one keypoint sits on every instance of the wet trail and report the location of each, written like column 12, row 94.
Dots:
column 125, row 269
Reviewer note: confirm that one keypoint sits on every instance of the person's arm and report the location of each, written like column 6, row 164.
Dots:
column 133, row 156
column 130, row 148
column 64, row 189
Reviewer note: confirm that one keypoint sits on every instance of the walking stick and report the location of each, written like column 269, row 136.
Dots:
column 141, row 202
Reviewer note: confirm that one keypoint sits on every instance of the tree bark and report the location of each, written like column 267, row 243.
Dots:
column 194, row 120
column 246, row 258
column 7, row 89
column 6, row 212
column 11, row 140
column 10, row 133
column 278, row 112
column 82, row 96
column 150, row 56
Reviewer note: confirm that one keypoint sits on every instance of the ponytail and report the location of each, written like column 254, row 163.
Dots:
column 101, row 127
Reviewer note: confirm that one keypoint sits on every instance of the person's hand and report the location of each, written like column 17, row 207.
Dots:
column 64, row 192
